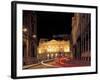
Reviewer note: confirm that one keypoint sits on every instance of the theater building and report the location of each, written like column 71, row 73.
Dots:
column 51, row 49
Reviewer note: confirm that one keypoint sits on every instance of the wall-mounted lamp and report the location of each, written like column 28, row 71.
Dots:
column 25, row 30
column 34, row 36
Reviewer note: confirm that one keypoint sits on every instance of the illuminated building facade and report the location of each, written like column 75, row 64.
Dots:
column 51, row 49
column 81, row 36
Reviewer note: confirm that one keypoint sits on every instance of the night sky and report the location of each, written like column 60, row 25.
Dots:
column 52, row 23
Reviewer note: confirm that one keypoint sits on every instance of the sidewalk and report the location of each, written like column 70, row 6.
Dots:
column 28, row 66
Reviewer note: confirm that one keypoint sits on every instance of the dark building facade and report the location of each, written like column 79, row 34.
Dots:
column 29, row 38
column 81, row 36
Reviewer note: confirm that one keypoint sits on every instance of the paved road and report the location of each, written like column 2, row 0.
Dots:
column 53, row 64
column 73, row 63
column 43, row 65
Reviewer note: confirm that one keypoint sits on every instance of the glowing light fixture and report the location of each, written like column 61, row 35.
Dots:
column 25, row 30
column 34, row 36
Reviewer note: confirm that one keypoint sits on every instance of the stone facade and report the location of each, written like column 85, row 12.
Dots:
column 29, row 38
column 53, row 48
column 81, row 36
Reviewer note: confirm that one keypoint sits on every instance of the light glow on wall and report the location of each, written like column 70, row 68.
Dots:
column 54, row 46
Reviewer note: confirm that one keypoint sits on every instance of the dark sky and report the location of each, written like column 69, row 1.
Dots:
column 51, row 23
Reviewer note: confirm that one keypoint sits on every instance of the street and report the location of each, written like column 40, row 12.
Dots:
column 54, row 64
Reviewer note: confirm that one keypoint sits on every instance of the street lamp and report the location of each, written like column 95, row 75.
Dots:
column 25, row 30
column 34, row 36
